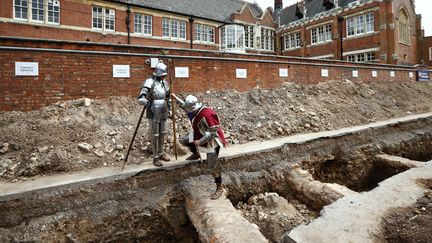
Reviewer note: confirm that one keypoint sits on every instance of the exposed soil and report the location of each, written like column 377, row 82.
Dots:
column 275, row 215
column 412, row 224
column 75, row 135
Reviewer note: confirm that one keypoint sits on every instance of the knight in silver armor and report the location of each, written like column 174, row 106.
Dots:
column 155, row 95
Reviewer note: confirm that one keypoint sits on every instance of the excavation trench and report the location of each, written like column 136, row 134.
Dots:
column 276, row 188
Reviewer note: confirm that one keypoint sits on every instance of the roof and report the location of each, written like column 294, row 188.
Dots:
column 313, row 7
column 217, row 10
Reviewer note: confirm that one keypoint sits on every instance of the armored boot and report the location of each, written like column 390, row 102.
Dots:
column 195, row 154
column 164, row 157
column 219, row 192
column 157, row 162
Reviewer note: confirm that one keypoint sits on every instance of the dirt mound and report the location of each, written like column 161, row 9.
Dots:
column 83, row 134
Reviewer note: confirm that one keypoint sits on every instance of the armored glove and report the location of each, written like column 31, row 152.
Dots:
column 142, row 101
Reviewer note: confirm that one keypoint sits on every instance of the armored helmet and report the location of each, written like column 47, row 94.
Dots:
column 160, row 70
column 191, row 103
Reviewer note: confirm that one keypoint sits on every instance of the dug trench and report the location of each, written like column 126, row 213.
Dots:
column 275, row 188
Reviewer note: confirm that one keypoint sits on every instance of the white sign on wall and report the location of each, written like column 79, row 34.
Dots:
column 411, row 74
column 181, row 72
column 392, row 74
column 121, row 71
column 355, row 74
column 241, row 73
column 26, row 69
column 283, row 72
column 374, row 74
column 153, row 62
column 324, row 72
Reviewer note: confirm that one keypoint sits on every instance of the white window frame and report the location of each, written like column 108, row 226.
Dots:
column 108, row 15
column 321, row 34
column 204, row 33
column 249, row 36
column 292, row 41
column 48, row 6
column 145, row 25
column 176, row 28
column 360, row 24
column 361, row 57
column 232, row 37
column 267, row 39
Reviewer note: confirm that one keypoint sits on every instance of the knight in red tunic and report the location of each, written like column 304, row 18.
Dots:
column 207, row 135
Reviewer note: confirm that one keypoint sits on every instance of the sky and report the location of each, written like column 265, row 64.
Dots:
column 422, row 7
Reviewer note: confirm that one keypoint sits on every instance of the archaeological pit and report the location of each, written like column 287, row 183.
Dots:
column 332, row 186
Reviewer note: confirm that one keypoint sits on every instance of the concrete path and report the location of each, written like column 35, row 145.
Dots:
column 357, row 217
column 233, row 151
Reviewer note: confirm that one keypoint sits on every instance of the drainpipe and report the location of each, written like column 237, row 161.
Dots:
column 128, row 11
column 340, row 20
column 191, row 20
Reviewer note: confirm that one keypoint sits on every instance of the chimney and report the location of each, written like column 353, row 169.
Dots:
column 277, row 6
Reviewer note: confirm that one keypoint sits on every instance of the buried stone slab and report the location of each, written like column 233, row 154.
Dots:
column 357, row 217
column 216, row 220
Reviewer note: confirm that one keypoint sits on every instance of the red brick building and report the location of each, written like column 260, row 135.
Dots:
column 352, row 30
column 227, row 25
column 427, row 51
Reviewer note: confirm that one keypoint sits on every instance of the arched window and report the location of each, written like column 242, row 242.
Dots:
column 404, row 29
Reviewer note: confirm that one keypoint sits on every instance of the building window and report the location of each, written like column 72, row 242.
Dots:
column 41, row 11
column 173, row 28
column 404, row 26
column 103, row 18
column 360, row 25
column 267, row 39
column 430, row 53
column 232, row 37
column 143, row 24
column 21, row 9
column 321, row 34
column 362, row 57
column 249, row 36
column 204, row 33
column 292, row 41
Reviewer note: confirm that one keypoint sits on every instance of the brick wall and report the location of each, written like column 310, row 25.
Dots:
column 427, row 50
column 69, row 70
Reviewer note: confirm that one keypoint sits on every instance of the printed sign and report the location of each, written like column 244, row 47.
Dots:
column 411, row 74
column 26, row 69
column 121, row 71
column 153, row 62
column 392, row 74
column 374, row 74
column 355, row 74
column 181, row 72
column 283, row 72
column 423, row 75
column 241, row 73
column 324, row 72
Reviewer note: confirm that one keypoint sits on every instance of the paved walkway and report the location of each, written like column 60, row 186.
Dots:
column 115, row 173
column 357, row 217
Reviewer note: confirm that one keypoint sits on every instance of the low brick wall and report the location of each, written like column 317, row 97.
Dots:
column 71, row 70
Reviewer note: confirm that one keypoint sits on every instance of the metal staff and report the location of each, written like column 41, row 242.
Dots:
column 173, row 109
column 133, row 137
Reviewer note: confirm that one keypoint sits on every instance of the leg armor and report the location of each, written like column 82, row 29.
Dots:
column 213, row 164
column 154, row 130
column 162, row 133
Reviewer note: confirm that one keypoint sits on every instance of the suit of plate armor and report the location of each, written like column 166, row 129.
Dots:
column 155, row 94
